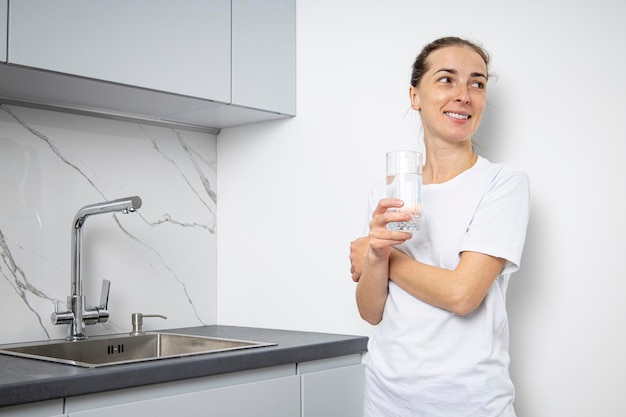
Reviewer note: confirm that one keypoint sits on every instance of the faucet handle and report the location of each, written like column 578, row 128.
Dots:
column 104, row 294
column 100, row 314
column 137, row 322
column 59, row 316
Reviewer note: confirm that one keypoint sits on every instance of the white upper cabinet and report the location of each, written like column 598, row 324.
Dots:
column 214, row 63
column 181, row 47
column 3, row 30
column 264, row 55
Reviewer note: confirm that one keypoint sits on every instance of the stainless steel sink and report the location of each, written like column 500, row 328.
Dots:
column 117, row 349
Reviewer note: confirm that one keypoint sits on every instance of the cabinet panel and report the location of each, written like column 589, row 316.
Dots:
column 334, row 392
column 273, row 398
column 204, row 63
column 169, row 389
column 264, row 54
column 40, row 409
column 145, row 43
column 3, row 30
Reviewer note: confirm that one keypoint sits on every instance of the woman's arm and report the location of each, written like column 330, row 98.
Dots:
column 369, row 257
column 372, row 287
column 460, row 290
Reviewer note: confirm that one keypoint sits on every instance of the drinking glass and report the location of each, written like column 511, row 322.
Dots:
column 404, row 181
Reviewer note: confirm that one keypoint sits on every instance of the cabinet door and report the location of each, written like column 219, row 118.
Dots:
column 264, row 55
column 48, row 408
column 334, row 392
column 272, row 398
column 3, row 30
column 178, row 47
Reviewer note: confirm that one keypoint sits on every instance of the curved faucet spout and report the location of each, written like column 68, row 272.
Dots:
column 124, row 205
column 78, row 315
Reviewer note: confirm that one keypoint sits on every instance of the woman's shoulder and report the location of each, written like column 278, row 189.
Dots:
column 502, row 169
column 506, row 179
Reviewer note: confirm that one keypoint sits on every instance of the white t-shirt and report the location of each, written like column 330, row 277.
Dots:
column 426, row 361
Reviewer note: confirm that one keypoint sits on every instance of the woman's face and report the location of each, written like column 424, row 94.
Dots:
column 452, row 94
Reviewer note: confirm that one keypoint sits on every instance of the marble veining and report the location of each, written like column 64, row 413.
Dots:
column 160, row 259
column 18, row 280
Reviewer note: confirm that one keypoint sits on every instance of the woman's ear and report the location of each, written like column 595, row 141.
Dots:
column 415, row 102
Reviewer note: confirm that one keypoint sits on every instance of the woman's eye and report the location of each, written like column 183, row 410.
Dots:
column 445, row 80
column 478, row 84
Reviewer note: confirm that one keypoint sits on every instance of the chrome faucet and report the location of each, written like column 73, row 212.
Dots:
column 77, row 314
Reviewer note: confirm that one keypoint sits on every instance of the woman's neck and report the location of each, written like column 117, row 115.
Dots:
column 444, row 164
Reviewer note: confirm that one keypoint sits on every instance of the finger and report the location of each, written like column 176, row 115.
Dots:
column 386, row 238
column 385, row 234
column 381, row 220
column 387, row 203
column 396, row 216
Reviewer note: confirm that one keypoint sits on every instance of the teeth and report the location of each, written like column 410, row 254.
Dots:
column 457, row 116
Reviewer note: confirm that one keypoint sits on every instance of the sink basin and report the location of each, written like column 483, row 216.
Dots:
column 117, row 349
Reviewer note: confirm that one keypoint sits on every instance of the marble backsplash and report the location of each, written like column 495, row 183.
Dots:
column 160, row 259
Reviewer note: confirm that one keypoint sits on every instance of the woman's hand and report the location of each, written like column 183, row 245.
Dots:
column 380, row 240
column 358, row 251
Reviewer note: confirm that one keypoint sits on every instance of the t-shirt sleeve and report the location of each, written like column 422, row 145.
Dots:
column 499, row 225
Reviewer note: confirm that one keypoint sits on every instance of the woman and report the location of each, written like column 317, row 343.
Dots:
column 438, row 294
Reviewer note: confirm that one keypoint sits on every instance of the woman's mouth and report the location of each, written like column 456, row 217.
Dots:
column 457, row 115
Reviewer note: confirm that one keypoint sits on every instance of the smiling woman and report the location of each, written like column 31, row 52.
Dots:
column 449, row 89
column 438, row 294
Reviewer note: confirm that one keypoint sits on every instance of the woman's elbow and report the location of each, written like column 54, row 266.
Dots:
column 371, row 315
column 373, row 319
column 463, row 309
column 464, row 304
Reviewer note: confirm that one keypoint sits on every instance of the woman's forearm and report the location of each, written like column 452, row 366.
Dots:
column 460, row 290
column 372, row 288
column 373, row 282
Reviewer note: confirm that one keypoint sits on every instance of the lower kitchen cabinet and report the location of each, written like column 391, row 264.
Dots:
column 332, row 387
column 273, row 391
column 51, row 408
column 323, row 388
column 273, row 398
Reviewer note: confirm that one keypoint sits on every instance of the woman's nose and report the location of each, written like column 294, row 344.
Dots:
column 462, row 94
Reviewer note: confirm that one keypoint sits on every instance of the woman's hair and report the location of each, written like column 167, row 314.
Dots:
column 419, row 66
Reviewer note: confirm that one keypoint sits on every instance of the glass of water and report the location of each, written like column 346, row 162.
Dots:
column 404, row 181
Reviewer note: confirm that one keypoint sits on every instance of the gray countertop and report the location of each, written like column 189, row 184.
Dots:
column 29, row 380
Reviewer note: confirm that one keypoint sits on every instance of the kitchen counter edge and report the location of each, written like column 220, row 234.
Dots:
column 29, row 380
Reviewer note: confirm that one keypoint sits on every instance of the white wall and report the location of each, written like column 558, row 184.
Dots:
column 292, row 193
